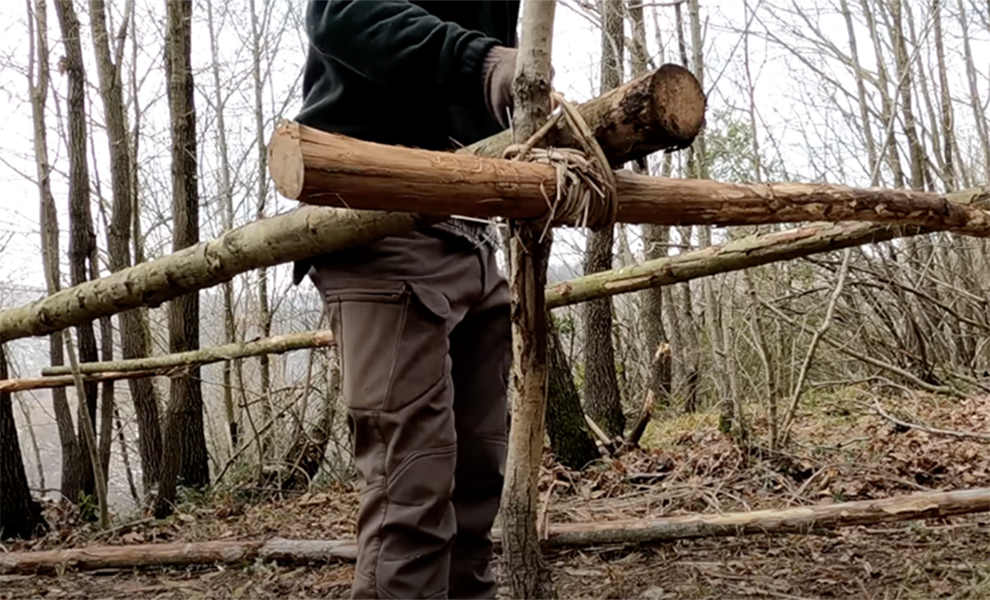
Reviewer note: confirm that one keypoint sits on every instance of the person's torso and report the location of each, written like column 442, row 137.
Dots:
column 341, row 100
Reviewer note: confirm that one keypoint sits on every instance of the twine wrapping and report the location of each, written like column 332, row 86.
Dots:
column 585, row 191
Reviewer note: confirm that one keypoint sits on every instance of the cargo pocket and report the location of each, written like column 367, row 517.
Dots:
column 369, row 318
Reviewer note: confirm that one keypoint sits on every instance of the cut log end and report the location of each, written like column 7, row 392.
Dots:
column 679, row 102
column 285, row 160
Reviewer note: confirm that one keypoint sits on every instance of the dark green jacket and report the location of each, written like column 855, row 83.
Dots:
column 402, row 72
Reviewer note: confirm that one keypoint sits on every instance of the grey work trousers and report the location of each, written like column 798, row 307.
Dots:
column 422, row 323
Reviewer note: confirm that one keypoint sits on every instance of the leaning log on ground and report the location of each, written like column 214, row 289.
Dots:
column 803, row 519
column 658, row 111
column 327, row 169
column 178, row 554
column 302, row 233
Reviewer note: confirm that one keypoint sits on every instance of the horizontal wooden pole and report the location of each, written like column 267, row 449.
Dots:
column 322, row 168
column 744, row 253
column 303, row 233
column 168, row 364
column 276, row 344
column 802, row 519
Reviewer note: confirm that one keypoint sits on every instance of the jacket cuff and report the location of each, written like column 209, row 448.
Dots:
column 471, row 88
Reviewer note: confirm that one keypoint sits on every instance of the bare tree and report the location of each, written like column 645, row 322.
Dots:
column 602, row 401
column 38, row 84
column 82, row 239
column 185, row 454
column 133, row 339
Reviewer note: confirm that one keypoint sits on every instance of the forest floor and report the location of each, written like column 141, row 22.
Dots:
column 841, row 450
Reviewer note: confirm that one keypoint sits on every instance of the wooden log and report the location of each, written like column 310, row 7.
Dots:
column 736, row 255
column 56, row 381
column 797, row 520
column 178, row 554
column 333, row 170
column 276, row 344
column 168, row 364
column 663, row 110
column 740, row 254
column 302, row 233
column 800, row 519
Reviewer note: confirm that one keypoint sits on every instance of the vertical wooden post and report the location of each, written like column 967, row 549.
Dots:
column 527, row 573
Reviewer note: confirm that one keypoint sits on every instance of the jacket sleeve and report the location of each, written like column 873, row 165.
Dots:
column 400, row 45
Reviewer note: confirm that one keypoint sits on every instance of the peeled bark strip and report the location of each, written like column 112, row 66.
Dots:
column 334, row 170
column 658, row 111
column 302, row 233
column 804, row 519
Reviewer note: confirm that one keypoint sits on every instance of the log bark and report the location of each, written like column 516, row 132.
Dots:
column 303, row 233
column 663, row 110
column 799, row 520
column 333, row 170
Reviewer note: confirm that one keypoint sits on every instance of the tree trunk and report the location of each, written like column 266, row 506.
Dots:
column 185, row 458
column 528, row 574
column 227, row 210
column 602, row 401
column 655, row 239
column 264, row 311
column 570, row 441
column 133, row 338
column 20, row 514
column 50, row 256
column 82, row 239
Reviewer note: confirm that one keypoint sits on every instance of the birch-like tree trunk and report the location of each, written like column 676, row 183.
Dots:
column 655, row 242
column 230, row 367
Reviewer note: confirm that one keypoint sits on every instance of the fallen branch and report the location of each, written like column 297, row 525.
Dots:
column 169, row 365
column 965, row 435
column 927, row 505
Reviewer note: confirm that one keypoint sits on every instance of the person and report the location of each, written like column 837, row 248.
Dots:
column 422, row 319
